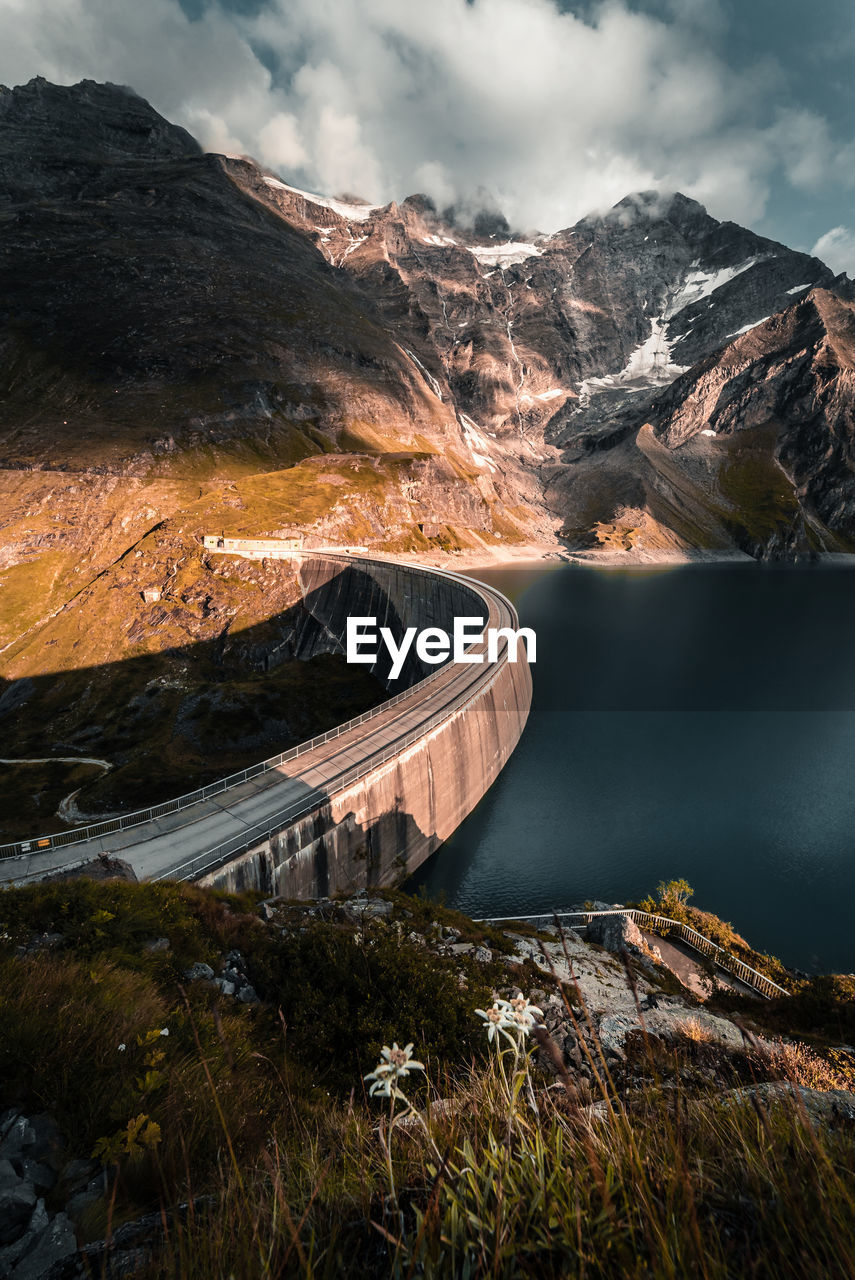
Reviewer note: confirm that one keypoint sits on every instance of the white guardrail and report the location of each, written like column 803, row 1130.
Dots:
column 107, row 826
column 666, row 928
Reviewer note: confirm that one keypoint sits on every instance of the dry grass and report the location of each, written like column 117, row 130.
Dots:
column 693, row 1029
column 660, row 1180
column 800, row 1064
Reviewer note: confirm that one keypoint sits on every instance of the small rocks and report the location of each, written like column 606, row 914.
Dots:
column 42, row 1176
column 233, row 980
column 34, row 1238
column 41, row 942
column 54, row 1243
column 29, row 1138
column 78, row 1203
column 525, row 948
column 77, row 1174
column 360, row 909
column 17, row 1203
column 155, row 946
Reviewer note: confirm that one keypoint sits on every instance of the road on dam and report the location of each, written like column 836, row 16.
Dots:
column 190, row 841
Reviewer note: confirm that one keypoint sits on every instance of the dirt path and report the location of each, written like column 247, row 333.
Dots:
column 682, row 961
column 67, row 810
column 105, row 764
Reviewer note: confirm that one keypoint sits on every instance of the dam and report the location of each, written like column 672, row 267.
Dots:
column 360, row 805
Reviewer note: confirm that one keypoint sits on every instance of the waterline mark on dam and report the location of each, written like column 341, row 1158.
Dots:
column 433, row 644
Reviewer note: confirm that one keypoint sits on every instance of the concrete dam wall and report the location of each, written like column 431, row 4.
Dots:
column 395, row 594
column 377, row 829
column 362, row 804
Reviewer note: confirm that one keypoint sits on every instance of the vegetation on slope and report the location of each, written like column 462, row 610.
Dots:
column 257, row 1115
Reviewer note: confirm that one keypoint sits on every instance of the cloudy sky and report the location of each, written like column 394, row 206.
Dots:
column 545, row 108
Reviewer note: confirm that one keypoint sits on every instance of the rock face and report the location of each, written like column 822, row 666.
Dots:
column 32, row 1238
column 211, row 324
column 579, row 340
column 615, row 933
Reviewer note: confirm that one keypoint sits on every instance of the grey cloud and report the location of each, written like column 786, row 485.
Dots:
column 837, row 249
column 548, row 114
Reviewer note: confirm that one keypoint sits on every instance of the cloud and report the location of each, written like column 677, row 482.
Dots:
column 279, row 142
column 549, row 114
column 837, row 249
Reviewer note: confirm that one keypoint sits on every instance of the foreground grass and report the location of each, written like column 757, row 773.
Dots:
column 257, row 1116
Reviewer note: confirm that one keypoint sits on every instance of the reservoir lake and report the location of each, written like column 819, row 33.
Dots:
column 692, row 721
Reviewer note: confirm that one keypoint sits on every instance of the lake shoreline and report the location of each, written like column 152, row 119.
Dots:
column 531, row 554
column 680, row 727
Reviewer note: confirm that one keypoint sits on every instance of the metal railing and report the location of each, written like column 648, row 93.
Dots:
column 666, row 928
column 122, row 822
column 209, row 861
column 139, row 816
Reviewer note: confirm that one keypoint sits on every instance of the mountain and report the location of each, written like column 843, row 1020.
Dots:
column 189, row 343
column 567, row 350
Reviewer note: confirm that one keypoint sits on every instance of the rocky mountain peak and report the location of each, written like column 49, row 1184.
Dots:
column 86, row 122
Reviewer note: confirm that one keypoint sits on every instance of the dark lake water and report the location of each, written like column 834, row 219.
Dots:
column 695, row 722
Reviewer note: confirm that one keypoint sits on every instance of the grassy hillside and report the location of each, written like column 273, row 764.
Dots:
column 258, row 1115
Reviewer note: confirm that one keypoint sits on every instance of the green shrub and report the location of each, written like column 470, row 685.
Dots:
column 63, row 1023
column 114, row 919
column 345, row 994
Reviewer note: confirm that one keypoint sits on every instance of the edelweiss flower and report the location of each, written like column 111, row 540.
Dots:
column 498, row 1018
column 396, row 1064
column 525, row 1015
column 122, row 1048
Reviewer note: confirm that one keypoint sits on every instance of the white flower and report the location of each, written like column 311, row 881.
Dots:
column 498, row 1018
column 395, row 1065
column 525, row 1015
column 122, row 1048
column 164, row 1031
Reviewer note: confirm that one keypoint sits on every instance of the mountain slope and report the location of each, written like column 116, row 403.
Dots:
column 570, row 341
column 188, row 342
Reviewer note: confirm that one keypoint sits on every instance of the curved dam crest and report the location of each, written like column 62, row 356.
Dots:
column 366, row 804
column 382, row 827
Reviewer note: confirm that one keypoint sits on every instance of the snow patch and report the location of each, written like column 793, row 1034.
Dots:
column 707, row 432
column 438, row 240
column 428, row 377
column 649, row 365
column 505, row 255
column 344, row 208
column 797, row 288
column 700, row 284
column 350, row 248
column 475, row 441
column 746, row 327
